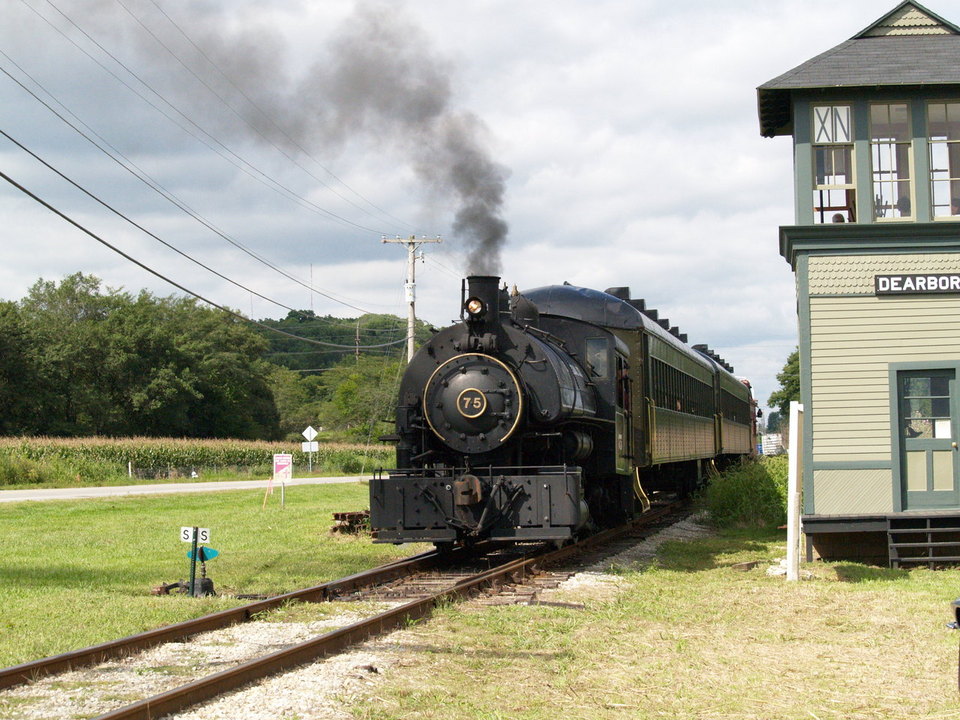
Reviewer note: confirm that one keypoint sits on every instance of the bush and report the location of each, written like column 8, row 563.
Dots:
column 351, row 461
column 17, row 471
column 752, row 494
column 20, row 470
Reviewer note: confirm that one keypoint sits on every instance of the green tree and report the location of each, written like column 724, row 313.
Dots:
column 773, row 421
column 370, row 329
column 361, row 396
column 65, row 322
column 19, row 378
column 113, row 364
column 299, row 400
column 789, row 379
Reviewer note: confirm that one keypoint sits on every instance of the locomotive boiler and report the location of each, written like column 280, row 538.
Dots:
column 550, row 413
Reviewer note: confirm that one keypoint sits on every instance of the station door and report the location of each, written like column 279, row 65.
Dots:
column 928, row 424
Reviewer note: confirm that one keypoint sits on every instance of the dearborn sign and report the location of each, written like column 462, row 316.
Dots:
column 919, row 284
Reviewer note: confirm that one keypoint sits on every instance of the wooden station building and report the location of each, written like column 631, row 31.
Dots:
column 875, row 123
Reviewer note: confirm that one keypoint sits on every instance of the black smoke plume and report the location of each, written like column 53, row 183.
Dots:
column 378, row 77
column 374, row 84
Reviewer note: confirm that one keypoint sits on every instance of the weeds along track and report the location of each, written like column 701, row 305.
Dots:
column 409, row 589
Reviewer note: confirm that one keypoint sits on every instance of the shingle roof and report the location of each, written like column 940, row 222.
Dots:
column 908, row 46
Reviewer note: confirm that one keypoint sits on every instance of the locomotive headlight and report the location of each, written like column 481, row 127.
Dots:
column 474, row 307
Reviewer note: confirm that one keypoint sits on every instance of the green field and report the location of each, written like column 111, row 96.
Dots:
column 692, row 637
column 48, row 462
column 74, row 574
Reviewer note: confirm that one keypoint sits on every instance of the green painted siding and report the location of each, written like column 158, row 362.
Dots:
column 853, row 274
column 665, row 352
column 854, row 336
column 680, row 437
column 847, row 492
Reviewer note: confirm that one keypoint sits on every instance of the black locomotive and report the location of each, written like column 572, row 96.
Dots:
column 549, row 413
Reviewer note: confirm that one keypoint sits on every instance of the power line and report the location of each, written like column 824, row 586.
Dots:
column 228, row 154
column 177, row 285
column 449, row 271
column 140, row 227
column 143, row 177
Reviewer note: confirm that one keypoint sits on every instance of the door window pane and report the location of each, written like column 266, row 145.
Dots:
column 925, row 406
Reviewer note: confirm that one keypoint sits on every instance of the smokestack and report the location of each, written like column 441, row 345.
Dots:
column 482, row 304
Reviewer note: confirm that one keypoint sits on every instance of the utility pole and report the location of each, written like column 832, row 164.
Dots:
column 412, row 244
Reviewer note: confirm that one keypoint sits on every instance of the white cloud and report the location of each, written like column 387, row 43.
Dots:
column 629, row 129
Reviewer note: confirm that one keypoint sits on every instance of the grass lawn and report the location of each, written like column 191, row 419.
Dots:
column 74, row 574
column 690, row 637
column 693, row 638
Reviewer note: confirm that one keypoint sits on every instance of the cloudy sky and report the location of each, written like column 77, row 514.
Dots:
column 604, row 143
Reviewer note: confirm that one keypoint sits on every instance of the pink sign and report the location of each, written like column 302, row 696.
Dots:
column 282, row 467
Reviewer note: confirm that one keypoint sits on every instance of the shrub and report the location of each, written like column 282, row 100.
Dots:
column 20, row 470
column 752, row 493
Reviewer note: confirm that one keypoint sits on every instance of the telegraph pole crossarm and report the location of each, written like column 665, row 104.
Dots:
column 412, row 244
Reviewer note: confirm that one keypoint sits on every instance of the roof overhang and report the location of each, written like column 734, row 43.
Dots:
column 853, row 239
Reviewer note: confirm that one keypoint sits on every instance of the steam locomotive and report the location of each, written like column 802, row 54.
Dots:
column 551, row 413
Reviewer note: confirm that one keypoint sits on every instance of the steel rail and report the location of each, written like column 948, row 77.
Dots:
column 185, row 696
column 35, row 669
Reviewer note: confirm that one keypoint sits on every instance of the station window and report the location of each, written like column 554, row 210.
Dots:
column 943, row 131
column 890, row 139
column 834, row 189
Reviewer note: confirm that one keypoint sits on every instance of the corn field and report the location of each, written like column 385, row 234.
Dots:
column 33, row 460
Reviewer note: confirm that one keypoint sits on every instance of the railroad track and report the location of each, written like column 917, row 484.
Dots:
column 419, row 584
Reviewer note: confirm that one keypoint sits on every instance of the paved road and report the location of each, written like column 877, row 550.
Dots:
column 187, row 487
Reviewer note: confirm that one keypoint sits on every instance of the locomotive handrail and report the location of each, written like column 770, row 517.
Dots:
column 639, row 492
column 549, row 336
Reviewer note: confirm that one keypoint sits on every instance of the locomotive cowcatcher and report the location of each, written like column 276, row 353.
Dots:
column 550, row 413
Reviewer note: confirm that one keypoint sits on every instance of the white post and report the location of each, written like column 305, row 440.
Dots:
column 793, row 490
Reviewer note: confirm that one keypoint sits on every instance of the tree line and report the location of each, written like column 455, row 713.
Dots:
column 79, row 359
